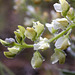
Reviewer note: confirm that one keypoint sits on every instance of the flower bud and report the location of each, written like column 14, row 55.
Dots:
column 60, row 23
column 18, row 36
column 59, row 55
column 8, row 42
column 62, row 43
column 9, row 54
column 63, row 22
column 65, row 7
column 70, row 13
column 14, row 50
column 38, row 28
column 22, row 29
column 37, row 60
column 30, row 33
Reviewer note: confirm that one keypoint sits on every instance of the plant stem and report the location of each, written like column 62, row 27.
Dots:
column 62, row 33
column 28, row 46
column 24, row 45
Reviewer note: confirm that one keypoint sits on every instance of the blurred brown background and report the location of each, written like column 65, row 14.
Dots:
column 20, row 65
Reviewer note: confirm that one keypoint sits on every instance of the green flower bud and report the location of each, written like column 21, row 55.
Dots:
column 30, row 33
column 59, row 55
column 62, row 43
column 9, row 54
column 22, row 29
column 18, row 37
column 70, row 13
column 38, row 28
column 63, row 22
column 62, row 56
column 65, row 7
column 8, row 42
column 14, row 50
column 19, row 34
column 37, row 60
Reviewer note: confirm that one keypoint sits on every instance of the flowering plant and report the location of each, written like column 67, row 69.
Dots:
column 60, row 28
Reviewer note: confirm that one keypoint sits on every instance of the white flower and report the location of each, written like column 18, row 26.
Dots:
column 57, row 24
column 60, row 23
column 63, row 7
column 37, row 60
column 57, row 7
column 50, row 27
column 42, row 44
column 14, row 50
column 62, row 43
column 59, row 55
column 39, row 28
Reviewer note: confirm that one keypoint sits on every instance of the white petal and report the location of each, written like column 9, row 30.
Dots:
column 49, row 26
column 56, row 24
column 57, row 7
column 36, row 46
column 42, row 44
column 62, row 43
column 59, row 42
column 60, row 23
column 56, row 60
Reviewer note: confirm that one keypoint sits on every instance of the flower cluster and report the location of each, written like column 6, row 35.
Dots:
column 60, row 28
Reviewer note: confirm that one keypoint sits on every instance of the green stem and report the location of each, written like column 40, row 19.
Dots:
column 27, row 46
column 24, row 45
column 62, row 33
